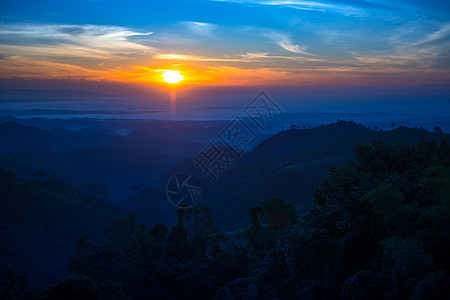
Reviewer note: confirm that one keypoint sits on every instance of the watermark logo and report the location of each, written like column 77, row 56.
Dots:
column 263, row 109
column 239, row 136
column 214, row 160
column 184, row 190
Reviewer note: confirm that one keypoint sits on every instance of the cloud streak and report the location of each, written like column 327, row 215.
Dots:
column 76, row 41
column 69, row 50
column 440, row 35
column 219, row 52
column 200, row 28
column 343, row 9
column 286, row 43
column 182, row 57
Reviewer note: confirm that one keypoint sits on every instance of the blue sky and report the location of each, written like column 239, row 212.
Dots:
column 229, row 41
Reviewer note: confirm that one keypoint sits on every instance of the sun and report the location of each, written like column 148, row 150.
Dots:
column 171, row 76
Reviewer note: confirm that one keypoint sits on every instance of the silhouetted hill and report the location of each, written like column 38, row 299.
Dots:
column 334, row 138
column 118, row 168
column 96, row 153
column 17, row 138
column 41, row 220
column 317, row 141
column 8, row 119
column 288, row 165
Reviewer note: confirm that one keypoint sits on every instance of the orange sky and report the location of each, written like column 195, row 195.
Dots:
column 366, row 46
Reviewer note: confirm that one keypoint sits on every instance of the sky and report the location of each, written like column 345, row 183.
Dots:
column 228, row 42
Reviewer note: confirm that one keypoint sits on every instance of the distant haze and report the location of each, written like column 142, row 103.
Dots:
column 420, row 105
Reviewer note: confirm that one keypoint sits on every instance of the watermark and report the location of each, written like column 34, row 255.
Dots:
column 238, row 136
column 222, row 152
column 214, row 160
column 184, row 190
column 263, row 109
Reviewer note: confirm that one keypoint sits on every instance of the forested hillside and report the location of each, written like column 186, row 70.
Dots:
column 288, row 165
column 379, row 229
column 40, row 221
column 117, row 153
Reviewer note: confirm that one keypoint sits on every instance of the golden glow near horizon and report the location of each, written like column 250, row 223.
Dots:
column 171, row 76
column 289, row 52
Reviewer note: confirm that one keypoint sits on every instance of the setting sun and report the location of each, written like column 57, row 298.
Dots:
column 172, row 76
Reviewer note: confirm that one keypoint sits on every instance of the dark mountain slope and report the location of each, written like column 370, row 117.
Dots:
column 288, row 165
column 18, row 138
column 94, row 154
column 41, row 221
column 118, row 168
column 316, row 141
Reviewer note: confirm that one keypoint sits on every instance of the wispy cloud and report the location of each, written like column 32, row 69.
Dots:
column 285, row 42
column 29, row 67
column 440, row 35
column 200, row 28
column 224, row 52
column 307, row 5
column 413, row 45
column 77, row 41
column 238, row 58
column 255, row 56
column 67, row 50
column 173, row 56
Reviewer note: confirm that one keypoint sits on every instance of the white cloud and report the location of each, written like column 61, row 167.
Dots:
column 255, row 55
column 436, row 36
column 422, row 46
column 307, row 5
column 286, row 43
column 174, row 56
column 72, row 41
column 241, row 58
column 199, row 28
column 258, row 56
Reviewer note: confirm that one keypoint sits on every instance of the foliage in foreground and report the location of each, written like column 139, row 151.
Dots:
column 379, row 229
